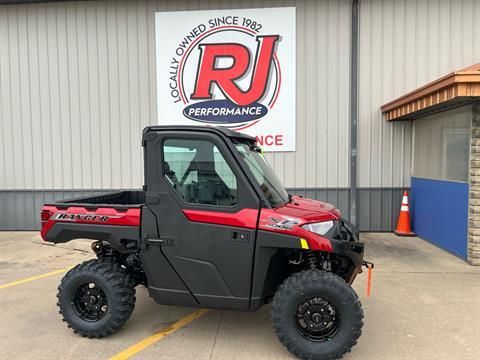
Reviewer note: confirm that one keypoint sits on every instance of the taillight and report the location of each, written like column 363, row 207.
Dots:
column 45, row 216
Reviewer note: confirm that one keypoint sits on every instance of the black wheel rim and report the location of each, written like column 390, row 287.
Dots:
column 317, row 319
column 90, row 302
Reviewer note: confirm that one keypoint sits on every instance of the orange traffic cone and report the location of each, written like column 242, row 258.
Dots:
column 403, row 225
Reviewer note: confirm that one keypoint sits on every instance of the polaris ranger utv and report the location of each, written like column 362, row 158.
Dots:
column 212, row 228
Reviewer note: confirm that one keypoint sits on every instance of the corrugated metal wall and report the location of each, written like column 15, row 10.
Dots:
column 405, row 44
column 20, row 210
column 77, row 85
column 76, row 89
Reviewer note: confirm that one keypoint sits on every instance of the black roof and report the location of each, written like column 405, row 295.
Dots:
column 224, row 131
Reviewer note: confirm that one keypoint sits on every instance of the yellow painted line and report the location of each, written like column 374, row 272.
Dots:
column 33, row 278
column 143, row 344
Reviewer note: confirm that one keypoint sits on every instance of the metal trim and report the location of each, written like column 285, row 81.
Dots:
column 354, row 112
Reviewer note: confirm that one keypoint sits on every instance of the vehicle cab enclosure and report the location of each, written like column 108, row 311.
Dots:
column 214, row 227
column 218, row 228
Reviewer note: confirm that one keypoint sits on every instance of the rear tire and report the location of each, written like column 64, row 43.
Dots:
column 316, row 315
column 96, row 298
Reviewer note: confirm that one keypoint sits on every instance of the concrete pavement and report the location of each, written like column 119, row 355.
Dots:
column 425, row 304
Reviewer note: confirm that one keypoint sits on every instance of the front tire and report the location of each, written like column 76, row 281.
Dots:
column 96, row 298
column 316, row 315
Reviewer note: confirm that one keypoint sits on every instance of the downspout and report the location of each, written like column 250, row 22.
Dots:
column 354, row 114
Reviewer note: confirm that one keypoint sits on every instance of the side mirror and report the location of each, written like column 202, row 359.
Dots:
column 257, row 149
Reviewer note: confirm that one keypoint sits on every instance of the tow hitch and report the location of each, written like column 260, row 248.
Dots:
column 369, row 265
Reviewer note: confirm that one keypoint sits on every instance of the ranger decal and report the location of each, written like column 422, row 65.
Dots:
column 83, row 217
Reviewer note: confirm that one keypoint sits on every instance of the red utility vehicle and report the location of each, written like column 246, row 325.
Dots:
column 213, row 228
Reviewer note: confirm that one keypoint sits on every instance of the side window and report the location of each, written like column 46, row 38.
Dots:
column 198, row 172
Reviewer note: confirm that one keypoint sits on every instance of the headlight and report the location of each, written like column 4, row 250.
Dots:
column 320, row 228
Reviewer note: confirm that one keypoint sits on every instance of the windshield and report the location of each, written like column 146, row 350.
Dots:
column 263, row 173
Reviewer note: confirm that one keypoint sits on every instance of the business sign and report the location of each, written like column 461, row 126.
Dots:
column 230, row 68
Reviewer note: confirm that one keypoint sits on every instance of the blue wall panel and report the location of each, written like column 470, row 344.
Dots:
column 440, row 213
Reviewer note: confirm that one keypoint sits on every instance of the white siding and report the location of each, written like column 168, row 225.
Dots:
column 405, row 44
column 77, row 85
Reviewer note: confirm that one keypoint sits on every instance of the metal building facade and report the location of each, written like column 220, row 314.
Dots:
column 77, row 85
column 403, row 44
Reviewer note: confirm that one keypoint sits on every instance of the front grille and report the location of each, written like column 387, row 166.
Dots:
column 344, row 231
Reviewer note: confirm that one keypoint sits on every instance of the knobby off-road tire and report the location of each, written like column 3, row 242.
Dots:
column 324, row 288
column 104, row 284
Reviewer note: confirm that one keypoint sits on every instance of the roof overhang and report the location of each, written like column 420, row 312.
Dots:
column 21, row 2
column 455, row 89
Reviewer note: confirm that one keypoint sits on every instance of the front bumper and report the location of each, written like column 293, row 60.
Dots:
column 344, row 238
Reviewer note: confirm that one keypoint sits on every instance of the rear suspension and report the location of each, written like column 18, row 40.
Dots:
column 129, row 261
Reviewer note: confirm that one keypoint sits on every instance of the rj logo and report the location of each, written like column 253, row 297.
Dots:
column 225, row 78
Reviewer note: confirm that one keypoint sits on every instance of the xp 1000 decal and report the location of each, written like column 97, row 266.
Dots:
column 230, row 68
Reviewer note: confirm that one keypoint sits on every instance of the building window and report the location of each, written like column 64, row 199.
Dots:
column 198, row 172
column 442, row 145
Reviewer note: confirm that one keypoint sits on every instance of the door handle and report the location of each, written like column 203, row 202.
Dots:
column 166, row 241
column 240, row 236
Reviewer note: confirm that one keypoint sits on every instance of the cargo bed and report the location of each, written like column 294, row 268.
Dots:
column 111, row 217
column 120, row 199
